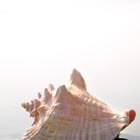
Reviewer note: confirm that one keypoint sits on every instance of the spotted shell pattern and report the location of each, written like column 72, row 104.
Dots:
column 71, row 113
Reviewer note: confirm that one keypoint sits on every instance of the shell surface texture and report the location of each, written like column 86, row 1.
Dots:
column 71, row 113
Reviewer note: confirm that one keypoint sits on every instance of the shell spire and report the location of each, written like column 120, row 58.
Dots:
column 71, row 113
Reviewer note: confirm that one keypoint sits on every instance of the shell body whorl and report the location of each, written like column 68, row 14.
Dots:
column 72, row 114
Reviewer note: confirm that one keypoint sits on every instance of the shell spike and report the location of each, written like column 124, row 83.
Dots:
column 77, row 80
column 39, row 95
column 25, row 106
column 60, row 94
column 47, row 94
column 51, row 87
column 36, row 104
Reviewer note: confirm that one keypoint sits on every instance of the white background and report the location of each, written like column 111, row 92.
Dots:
column 42, row 41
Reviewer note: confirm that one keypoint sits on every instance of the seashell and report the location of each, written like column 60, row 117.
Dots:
column 71, row 113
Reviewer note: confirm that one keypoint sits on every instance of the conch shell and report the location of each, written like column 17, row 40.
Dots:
column 71, row 113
